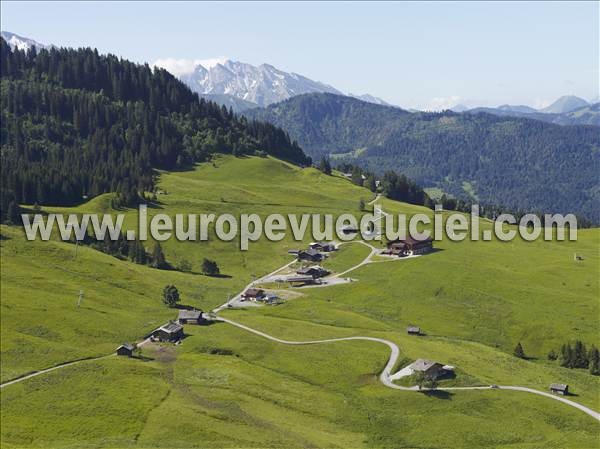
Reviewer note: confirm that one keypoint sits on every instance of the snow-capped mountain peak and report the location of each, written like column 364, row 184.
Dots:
column 262, row 85
column 20, row 42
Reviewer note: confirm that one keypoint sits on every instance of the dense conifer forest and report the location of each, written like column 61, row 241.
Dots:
column 519, row 163
column 75, row 124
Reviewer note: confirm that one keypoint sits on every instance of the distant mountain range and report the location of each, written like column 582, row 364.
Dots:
column 588, row 114
column 514, row 161
column 567, row 110
column 242, row 86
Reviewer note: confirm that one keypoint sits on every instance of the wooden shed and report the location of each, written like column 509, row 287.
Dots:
column 126, row 349
column 562, row 389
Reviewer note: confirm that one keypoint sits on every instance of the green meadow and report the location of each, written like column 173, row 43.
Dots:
column 227, row 388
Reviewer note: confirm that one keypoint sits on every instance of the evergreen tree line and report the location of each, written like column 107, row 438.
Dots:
column 75, row 124
column 520, row 163
column 133, row 250
column 577, row 356
column 399, row 187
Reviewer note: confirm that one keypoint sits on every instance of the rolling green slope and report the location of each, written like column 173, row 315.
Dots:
column 224, row 387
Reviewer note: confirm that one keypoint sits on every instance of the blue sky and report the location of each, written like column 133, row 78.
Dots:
column 411, row 54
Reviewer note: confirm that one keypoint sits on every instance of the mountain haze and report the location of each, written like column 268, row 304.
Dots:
column 564, row 104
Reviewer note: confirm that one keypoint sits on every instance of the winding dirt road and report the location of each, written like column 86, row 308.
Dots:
column 47, row 370
column 385, row 375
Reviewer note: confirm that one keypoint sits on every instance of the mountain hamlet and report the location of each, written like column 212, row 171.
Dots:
column 191, row 344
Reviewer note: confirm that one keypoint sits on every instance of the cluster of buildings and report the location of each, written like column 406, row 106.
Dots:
column 171, row 332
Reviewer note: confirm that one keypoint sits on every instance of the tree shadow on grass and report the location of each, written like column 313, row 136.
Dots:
column 143, row 358
column 438, row 394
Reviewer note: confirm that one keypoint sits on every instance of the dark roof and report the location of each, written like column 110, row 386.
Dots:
column 411, row 241
column 559, row 387
column 310, row 252
column 127, row 346
column 190, row 314
column 254, row 292
column 171, row 328
column 321, row 244
column 300, row 279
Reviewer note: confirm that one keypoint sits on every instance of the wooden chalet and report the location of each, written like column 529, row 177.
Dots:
column 310, row 255
column 253, row 294
column 324, row 247
column 190, row 317
column 168, row 332
column 409, row 246
column 314, row 271
column 431, row 369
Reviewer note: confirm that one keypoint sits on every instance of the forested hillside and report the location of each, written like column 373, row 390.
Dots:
column 76, row 124
column 516, row 162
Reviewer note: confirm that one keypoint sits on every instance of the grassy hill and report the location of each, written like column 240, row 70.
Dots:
column 224, row 387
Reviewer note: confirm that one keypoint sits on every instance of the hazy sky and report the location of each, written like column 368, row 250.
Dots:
column 410, row 54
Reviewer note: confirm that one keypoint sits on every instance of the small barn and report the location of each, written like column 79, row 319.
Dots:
column 253, row 294
column 562, row 389
column 168, row 332
column 190, row 317
column 310, row 255
column 413, row 330
column 126, row 349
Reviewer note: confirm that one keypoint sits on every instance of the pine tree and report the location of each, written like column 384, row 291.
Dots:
column 13, row 214
column 580, row 355
column 325, row 166
column 518, row 352
column 566, row 356
column 594, row 361
column 357, row 176
column 158, row 258
column 210, row 267
column 371, row 183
